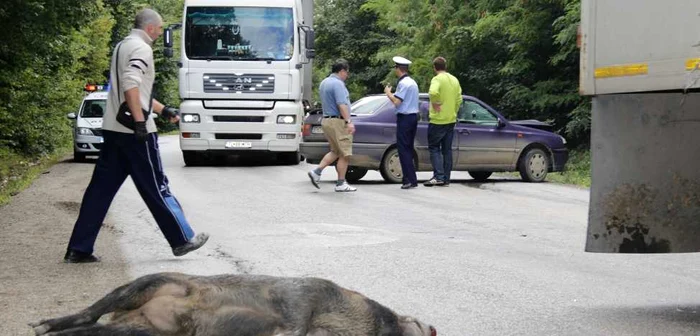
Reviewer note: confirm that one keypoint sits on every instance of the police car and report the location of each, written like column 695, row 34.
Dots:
column 87, row 129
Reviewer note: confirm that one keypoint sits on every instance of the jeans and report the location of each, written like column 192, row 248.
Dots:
column 440, row 147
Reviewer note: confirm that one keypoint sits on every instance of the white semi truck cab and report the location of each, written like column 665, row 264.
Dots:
column 244, row 78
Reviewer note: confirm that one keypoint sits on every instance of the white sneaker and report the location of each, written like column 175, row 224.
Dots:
column 315, row 178
column 345, row 187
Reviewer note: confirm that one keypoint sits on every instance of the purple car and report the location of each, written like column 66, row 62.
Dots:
column 485, row 142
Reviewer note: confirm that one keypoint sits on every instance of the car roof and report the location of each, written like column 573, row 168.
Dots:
column 97, row 95
column 420, row 95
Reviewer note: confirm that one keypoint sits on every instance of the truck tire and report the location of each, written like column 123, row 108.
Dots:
column 354, row 174
column 192, row 158
column 480, row 176
column 534, row 165
column 289, row 158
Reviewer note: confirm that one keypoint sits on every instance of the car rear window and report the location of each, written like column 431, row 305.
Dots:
column 93, row 108
column 368, row 105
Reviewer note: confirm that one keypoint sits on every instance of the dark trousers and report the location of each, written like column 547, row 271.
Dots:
column 440, row 147
column 406, row 125
column 121, row 156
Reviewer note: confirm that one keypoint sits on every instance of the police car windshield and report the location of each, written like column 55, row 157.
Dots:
column 93, row 108
column 368, row 105
column 239, row 33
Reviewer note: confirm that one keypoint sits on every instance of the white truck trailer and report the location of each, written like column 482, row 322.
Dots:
column 640, row 63
column 244, row 78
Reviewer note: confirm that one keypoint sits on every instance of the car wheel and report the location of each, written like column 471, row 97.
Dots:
column 480, row 175
column 534, row 165
column 391, row 167
column 289, row 158
column 354, row 174
column 192, row 158
column 78, row 156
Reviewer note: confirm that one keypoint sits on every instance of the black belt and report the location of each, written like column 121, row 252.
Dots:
column 333, row 117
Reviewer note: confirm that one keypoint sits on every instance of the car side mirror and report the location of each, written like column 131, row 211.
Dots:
column 71, row 115
column 501, row 123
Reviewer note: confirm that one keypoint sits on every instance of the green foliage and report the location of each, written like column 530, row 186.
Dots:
column 520, row 56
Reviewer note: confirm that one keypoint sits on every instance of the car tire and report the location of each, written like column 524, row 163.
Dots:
column 289, row 158
column 192, row 158
column 390, row 168
column 534, row 165
column 354, row 174
column 480, row 176
column 78, row 156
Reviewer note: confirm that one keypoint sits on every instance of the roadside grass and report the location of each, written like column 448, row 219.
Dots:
column 17, row 172
column 173, row 132
column 578, row 170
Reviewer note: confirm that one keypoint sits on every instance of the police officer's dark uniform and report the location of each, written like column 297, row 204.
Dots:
column 406, row 122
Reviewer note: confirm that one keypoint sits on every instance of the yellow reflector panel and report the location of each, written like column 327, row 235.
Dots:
column 692, row 63
column 622, row 70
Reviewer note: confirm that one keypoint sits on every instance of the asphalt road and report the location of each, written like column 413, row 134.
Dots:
column 497, row 258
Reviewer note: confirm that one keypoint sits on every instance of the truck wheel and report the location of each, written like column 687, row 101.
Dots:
column 534, row 165
column 480, row 175
column 192, row 158
column 354, row 174
column 289, row 158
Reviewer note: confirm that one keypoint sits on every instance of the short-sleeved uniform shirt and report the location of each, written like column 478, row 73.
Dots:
column 407, row 92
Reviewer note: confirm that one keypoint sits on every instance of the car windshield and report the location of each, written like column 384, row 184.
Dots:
column 93, row 108
column 368, row 105
column 239, row 33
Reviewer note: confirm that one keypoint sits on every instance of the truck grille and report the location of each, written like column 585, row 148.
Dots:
column 245, row 83
column 250, row 119
column 238, row 136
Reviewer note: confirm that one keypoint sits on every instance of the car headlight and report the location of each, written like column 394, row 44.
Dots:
column 562, row 139
column 190, row 117
column 286, row 119
column 83, row 131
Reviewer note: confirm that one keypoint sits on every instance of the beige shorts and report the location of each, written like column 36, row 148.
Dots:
column 338, row 137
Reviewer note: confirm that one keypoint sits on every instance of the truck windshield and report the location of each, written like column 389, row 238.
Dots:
column 239, row 33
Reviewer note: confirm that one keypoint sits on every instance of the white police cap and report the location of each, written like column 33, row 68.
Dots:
column 398, row 60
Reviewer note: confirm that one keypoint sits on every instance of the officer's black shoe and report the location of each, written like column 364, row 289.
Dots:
column 409, row 186
column 192, row 245
column 76, row 257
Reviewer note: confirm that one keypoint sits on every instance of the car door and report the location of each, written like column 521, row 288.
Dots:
column 482, row 143
column 421, row 142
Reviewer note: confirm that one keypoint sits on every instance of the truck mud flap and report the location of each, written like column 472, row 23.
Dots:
column 645, row 191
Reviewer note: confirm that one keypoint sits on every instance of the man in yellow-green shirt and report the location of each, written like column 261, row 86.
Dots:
column 445, row 100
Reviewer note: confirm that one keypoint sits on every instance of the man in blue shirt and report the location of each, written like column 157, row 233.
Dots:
column 336, row 124
column 406, row 101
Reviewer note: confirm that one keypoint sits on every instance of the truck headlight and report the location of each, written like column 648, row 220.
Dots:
column 286, row 119
column 83, row 131
column 190, row 117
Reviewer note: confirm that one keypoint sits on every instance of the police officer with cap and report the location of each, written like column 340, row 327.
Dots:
column 406, row 101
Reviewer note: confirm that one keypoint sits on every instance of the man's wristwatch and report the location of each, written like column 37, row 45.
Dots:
column 348, row 121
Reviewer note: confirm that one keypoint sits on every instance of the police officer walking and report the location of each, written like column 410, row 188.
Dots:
column 406, row 101
column 131, row 149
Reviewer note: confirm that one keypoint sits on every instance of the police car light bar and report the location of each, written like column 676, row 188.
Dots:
column 93, row 87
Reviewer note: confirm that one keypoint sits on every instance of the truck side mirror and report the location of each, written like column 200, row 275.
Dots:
column 310, row 44
column 309, row 40
column 71, row 115
column 168, row 42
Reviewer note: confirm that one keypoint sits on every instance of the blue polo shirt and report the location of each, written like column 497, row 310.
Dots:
column 407, row 91
column 333, row 92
